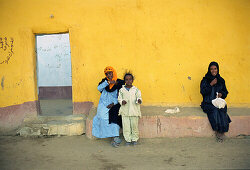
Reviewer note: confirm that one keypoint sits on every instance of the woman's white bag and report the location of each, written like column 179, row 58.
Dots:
column 219, row 102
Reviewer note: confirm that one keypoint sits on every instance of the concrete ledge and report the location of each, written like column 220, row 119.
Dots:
column 162, row 126
column 82, row 107
column 89, row 123
column 11, row 117
column 53, row 125
column 189, row 122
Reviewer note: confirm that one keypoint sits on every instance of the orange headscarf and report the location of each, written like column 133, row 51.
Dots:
column 107, row 69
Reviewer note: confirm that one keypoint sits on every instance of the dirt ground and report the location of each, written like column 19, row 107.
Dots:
column 78, row 152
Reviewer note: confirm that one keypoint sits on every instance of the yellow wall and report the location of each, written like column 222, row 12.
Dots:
column 161, row 41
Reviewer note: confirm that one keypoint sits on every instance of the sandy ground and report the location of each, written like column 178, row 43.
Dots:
column 78, row 152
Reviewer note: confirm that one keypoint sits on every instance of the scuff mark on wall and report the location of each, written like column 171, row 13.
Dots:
column 154, row 45
column 158, row 125
column 183, row 88
column 139, row 4
column 190, row 98
column 2, row 83
column 19, row 82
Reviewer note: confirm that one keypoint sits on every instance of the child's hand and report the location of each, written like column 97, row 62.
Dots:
column 124, row 102
column 139, row 101
column 111, row 105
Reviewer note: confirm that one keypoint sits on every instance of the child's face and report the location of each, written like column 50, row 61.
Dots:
column 129, row 80
column 109, row 75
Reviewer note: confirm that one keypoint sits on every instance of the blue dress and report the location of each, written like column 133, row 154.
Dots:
column 101, row 127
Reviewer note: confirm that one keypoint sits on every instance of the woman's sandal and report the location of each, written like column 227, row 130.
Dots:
column 219, row 139
column 114, row 144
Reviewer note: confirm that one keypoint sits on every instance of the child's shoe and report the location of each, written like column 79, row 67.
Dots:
column 134, row 143
column 117, row 140
column 128, row 143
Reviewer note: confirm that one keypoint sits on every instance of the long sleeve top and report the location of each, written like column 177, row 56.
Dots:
column 105, row 99
column 209, row 92
column 131, row 96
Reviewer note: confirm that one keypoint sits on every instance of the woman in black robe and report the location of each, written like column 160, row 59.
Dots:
column 210, row 85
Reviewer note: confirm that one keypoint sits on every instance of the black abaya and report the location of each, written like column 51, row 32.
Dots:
column 218, row 118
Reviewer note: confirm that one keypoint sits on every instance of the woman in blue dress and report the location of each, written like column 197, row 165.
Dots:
column 107, row 123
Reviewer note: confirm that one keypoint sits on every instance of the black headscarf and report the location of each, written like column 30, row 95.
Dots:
column 210, row 77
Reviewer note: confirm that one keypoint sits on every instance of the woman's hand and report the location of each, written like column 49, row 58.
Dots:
column 219, row 95
column 110, row 105
column 112, row 82
column 124, row 102
column 213, row 82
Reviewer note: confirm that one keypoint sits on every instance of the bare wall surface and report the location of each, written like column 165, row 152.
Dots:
column 166, row 44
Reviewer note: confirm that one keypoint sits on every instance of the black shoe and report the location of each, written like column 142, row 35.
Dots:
column 134, row 143
column 114, row 144
column 128, row 143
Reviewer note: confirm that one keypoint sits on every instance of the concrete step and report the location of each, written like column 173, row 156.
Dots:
column 53, row 125
column 189, row 122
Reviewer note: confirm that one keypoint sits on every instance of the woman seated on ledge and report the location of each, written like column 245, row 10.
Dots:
column 210, row 85
column 107, row 123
